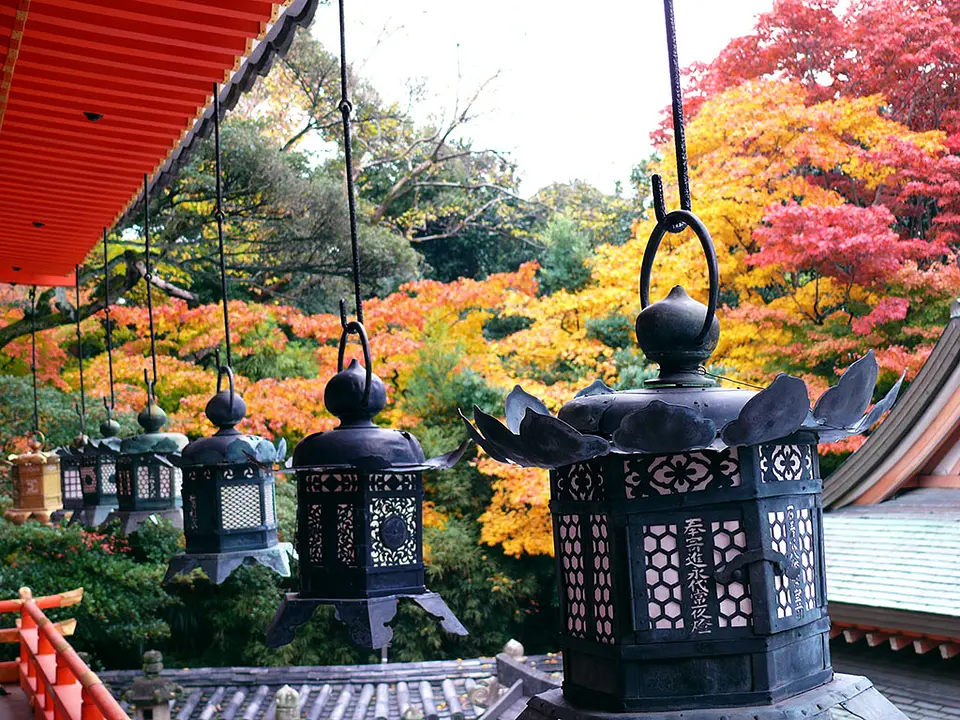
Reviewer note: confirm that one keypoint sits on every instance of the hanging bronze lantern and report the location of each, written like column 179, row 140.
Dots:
column 71, row 458
column 34, row 474
column 98, row 461
column 687, row 520
column 359, row 489
column 360, row 515
column 231, row 515
column 98, row 475
column 148, row 480
column 35, row 478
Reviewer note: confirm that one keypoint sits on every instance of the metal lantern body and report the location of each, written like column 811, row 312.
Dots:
column 98, row 477
column 148, row 481
column 229, row 498
column 691, row 579
column 35, row 477
column 359, row 519
column 360, row 530
column 71, row 487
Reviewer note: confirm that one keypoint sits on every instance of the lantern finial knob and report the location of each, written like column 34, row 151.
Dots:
column 344, row 395
column 226, row 408
column 679, row 333
column 152, row 417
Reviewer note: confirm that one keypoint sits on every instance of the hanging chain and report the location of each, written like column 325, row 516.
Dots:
column 149, row 277
column 220, row 217
column 345, row 109
column 106, row 312
column 33, row 357
column 82, row 410
column 679, row 136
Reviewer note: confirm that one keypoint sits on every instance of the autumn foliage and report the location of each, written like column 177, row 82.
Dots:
column 824, row 153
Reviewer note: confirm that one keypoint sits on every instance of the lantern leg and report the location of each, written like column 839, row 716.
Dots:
column 366, row 619
column 219, row 566
column 130, row 520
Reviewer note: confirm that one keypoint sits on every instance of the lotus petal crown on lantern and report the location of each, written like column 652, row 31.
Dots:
column 532, row 437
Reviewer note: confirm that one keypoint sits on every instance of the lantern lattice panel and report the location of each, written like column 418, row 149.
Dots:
column 663, row 577
column 807, row 558
column 393, row 531
column 735, row 604
column 315, row 533
column 88, row 479
column 269, row 506
column 583, row 481
column 108, row 477
column 240, row 506
column 143, row 482
column 779, row 463
column 603, row 604
column 658, row 475
column 393, row 482
column 331, row 482
column 72, row 488
column 164, row 478
column 346, row 535
column 571, row 557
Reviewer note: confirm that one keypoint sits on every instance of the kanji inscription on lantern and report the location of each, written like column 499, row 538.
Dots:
column 697, row 579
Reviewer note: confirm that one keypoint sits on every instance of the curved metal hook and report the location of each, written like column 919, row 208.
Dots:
column 356, row 328
column 659, row 205
column 229, row 372
column 688, row 219
column 151, row 391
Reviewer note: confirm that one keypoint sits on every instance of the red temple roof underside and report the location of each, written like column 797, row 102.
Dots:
column 147, row 67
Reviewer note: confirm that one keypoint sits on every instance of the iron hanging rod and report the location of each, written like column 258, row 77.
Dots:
column 33, row 357
column 679, row 133
column 106, row 312
column 345, row 109
column 219, row 213
column 82, row 410
column 148, row 277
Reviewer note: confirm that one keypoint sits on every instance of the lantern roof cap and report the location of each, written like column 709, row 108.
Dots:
column 109, row 428
column 228, row 445
column 355, row 395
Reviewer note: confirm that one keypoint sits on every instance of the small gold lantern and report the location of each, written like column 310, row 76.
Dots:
column 36, row 484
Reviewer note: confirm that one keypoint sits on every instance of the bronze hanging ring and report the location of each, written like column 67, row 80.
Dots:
column 221, row 370
column 356, row 328
column 668, row 221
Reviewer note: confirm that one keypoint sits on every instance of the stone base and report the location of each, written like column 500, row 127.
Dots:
column 365, row 618
column 850, row 693
column 18, row 516
column 130, row 520
column 92, row 516
column 219, row 566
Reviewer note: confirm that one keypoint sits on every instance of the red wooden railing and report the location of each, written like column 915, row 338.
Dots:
column 57, row 683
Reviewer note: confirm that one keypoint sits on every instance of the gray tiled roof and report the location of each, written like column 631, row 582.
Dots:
column 903, row 554
column 336, row 692
column 924, row 687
